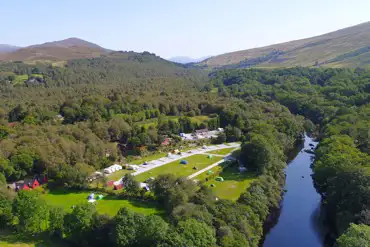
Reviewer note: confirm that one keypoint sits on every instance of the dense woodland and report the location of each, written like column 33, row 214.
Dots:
column 89, row 113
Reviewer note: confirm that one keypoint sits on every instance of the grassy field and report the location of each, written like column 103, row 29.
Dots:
column 233, row 185
column 8, row 239
column 19, row 79
column 223, row 151
column 198, row 160
column 109, row 205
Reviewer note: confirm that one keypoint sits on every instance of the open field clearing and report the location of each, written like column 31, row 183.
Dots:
column 233, row 185
column 108, row 205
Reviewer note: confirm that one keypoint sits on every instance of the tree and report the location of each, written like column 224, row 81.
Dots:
column 154, row 231
column 262, row 156
column 73, row 176
column 355, row 236
column 172, row 191
column 128, row 226
column 196, row 233
column 119, row 130
column 190, row 210
column 23, row 163
column 31, row 211
column 17, row 114
column 79, row 222
column 6, row 201
column 130, row 184
column 56, row 221
column 221, row 138
column 232, row 133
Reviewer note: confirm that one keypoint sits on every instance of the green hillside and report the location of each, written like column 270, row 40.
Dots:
column 348, row 47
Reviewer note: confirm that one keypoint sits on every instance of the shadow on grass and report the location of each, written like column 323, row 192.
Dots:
column 232, row 173
column 41, row 240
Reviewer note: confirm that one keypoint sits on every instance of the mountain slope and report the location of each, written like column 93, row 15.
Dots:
column 348, row 47
column 8, row 48
column 72, row 48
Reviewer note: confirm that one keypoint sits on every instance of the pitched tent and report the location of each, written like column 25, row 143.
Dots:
column 99, row 197
column 220, row 179
column 210, row 172
column 184, row 162
column 210, row 156
column 91, row 196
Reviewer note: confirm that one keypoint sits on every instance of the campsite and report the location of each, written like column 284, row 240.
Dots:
column 234, row 182
column 199, row 161
column 232, row 186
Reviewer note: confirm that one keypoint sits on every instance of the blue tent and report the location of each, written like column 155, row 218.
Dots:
column 184, row 162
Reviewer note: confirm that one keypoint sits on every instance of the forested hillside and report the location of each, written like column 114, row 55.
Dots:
column 348, row 47
column 338, row 101
column 67, row 122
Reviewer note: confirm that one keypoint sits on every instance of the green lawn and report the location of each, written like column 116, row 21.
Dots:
column 109, row 205
column 9, row 239
column 223, row 151
column 198, row 160
column 233, row 185
column 19, row 79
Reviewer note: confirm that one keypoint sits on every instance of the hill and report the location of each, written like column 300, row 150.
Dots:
column 8, row 48
column 67, row 49
column 348, row 47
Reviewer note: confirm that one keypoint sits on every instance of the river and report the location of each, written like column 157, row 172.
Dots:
column 299, row 223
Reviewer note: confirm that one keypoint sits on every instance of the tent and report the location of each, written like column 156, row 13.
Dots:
column 184, row 162
column 99, row 197
column 213, row 185
column 210, row 172
column 220, row 179
column 210, row 156
column 91, row 196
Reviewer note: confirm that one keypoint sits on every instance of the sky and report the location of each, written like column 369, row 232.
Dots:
column 169, row 28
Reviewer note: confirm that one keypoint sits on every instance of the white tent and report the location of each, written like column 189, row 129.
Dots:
column 112, row 168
